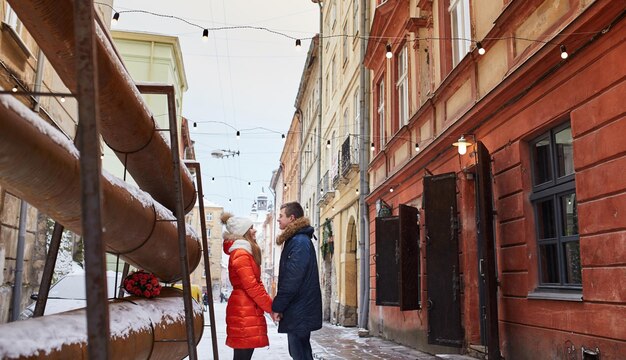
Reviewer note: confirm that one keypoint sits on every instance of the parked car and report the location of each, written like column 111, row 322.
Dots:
column 69, row 293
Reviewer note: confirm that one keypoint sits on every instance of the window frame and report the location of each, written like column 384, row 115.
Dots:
column 402, row 86
column 553, row 190
column 460, row 29
column 380, row 110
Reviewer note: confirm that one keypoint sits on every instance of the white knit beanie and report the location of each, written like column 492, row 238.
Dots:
column 236, row 227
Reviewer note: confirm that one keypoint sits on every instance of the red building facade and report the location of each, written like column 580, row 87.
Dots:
column 522, row 239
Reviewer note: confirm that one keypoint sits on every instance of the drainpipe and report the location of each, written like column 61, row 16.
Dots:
column 364, row 244
column 319, row 120
column 21, row 233
column 38, row 78
column 19, row 264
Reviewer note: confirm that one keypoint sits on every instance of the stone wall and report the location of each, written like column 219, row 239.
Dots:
column 34, row 252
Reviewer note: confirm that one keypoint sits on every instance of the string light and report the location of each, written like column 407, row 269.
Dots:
column 357, row 191
column 328, row 144
column 391, row 189
column 389, row 54
column 417, row 147
column 564, row 54
column 213, row 179
column 481, row 49
column 205, row 35
column 238, row 134
column 285, row 186
column 62, row 99
column 282, row 136
column 116, row 18
column 14, row 88
column 372, row 147
column 249, row 183
column 195, row 124
column 298, row 44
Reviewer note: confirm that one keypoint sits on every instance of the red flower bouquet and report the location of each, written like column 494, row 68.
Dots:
column 141, row 283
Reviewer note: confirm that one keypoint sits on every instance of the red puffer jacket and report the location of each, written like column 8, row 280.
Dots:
column 245, row 321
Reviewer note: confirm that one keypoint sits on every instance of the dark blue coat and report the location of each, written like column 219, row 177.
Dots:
column 299, row 297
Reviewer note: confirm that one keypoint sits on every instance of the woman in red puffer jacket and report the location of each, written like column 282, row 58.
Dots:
column 246, row 328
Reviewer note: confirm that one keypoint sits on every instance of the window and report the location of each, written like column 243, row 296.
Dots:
column 344, row 43
column 12, row 20
column 554, row 202
column 381, row 112
column 209, row 216
column 208, row 233
column 345, row 125
column 357, row 16
column 333, row 70
column 333, row 15
column 357, row 112
column 402, row 86
column 461, row 32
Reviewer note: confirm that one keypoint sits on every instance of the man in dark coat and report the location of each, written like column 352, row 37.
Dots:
column 298, row 302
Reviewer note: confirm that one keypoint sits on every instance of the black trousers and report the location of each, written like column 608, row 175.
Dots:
column 300, row 346
column 242, row 354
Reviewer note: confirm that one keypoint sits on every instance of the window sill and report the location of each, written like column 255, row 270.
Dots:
column 560, row 295
column 17, row 39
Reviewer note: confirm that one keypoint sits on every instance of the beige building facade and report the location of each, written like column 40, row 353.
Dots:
column 339, row 182
column 212, row 213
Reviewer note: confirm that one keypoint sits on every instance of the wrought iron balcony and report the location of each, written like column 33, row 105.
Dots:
column 350, row 157
column 326, row 189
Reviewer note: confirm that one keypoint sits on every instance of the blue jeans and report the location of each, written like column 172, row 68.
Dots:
column 300, row 346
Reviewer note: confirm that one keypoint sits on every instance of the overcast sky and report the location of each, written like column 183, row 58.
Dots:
column 243, row 77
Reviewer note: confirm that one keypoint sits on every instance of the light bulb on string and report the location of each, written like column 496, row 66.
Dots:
column 195, row 124
column 62, row 99
column 14, row 88
column 391, row 189
column 372, row 147
column 564, row 53
column 282, row 136
column 238, row 134
column 481, row 49
column 285, row 186
column 205, row 35
column 116, row 18
column 213, row 179
column 298, row 44
column 388, row 53
column 249, row 183
column 328, row 144
column 417, row 147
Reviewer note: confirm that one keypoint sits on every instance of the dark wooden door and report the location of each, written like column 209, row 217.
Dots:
column 409, row 258
column 487, row 252
column 387, row 261
column 442, row 261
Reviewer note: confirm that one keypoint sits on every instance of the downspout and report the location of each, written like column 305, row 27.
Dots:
column 19, row 264
column 319, row 122
column 21, row 233
column 364, row 244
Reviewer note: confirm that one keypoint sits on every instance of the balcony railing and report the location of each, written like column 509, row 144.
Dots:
column 349, row 156
column 326, row 189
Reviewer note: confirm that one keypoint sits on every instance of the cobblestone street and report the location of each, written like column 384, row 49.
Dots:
column 329, row 343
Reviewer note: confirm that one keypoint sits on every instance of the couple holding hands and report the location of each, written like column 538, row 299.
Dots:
column 297, row 305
